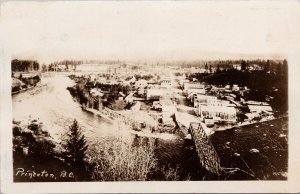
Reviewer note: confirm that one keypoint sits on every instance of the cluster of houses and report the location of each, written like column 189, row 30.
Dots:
column 142, row 91
column 223, row 106
column 156, row 97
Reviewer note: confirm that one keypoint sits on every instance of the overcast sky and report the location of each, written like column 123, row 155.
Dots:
column 137, row 30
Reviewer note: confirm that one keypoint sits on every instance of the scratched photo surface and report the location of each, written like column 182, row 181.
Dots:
column 121, row 96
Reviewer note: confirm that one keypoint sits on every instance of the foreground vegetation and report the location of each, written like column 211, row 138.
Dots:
column 36, row 154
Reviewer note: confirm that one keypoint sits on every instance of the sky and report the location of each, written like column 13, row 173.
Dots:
column 177, row 30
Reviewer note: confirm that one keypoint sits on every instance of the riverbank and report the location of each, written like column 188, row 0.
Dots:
column 119, row 119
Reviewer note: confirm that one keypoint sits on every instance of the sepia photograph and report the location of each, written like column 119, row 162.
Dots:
column 114, row 91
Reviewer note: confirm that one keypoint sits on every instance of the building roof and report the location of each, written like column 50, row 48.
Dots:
column 225, row 109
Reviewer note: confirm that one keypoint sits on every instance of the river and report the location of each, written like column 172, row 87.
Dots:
column 52, row 104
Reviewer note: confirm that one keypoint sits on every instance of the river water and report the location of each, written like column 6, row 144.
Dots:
column 52, row 104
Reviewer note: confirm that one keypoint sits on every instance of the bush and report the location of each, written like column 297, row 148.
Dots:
column 122, row 161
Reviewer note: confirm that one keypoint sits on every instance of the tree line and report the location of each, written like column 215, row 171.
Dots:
column 24, row 65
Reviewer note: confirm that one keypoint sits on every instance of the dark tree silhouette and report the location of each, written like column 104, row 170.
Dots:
column 267, row 66
column 75, row 152
column 243, row 66
column 206, row 66
column 210, row 69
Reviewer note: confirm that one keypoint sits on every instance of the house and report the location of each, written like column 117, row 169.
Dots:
column 157, row 93
column 168, row 107
column 182, row 82
column 235, row 87
column 217, row 113
column 201, row 99
column 166, row 83
column 141, row 83
column 168, row 110
column 260, row 108
column 192, row 92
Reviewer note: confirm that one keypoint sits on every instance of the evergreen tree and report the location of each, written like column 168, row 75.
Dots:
column 76, row 146
column 75, row 151
column 267, row 66
column 206, row 66
column 243, row 66
column 279, row 69
column 210, row 69
column 218, row 68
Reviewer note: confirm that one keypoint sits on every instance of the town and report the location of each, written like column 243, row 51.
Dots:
column 189, row 104
column 168, row 98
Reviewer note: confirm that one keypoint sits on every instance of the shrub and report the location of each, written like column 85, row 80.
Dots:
column 122, row 161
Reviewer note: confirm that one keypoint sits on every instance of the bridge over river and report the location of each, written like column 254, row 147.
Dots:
column 208, row 156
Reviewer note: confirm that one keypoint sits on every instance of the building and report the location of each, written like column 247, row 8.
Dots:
column 235, row 87
column 183, row 81
column 166, row 83
column 167, row 106
column 217, row 113
column 157, row 93
column 141, row 83
column 201, row 99
column 192, row 85
column 193, row 92
column 260, row 108
column 207, row 100
column 168, row 111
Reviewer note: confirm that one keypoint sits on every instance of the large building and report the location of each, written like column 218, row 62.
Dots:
column 193, row 85
column 217, row 113
column 157, row 93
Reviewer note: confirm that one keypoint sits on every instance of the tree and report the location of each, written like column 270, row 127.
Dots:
column 75, row 151
column 279, row 69
column 210, row 69
column 243, row 66
column 267, row 66
column 218, row 68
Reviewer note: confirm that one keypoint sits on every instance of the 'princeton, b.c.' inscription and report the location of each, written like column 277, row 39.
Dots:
column 42, row 175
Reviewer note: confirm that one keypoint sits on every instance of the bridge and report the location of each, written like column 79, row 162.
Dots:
column 208, row 156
